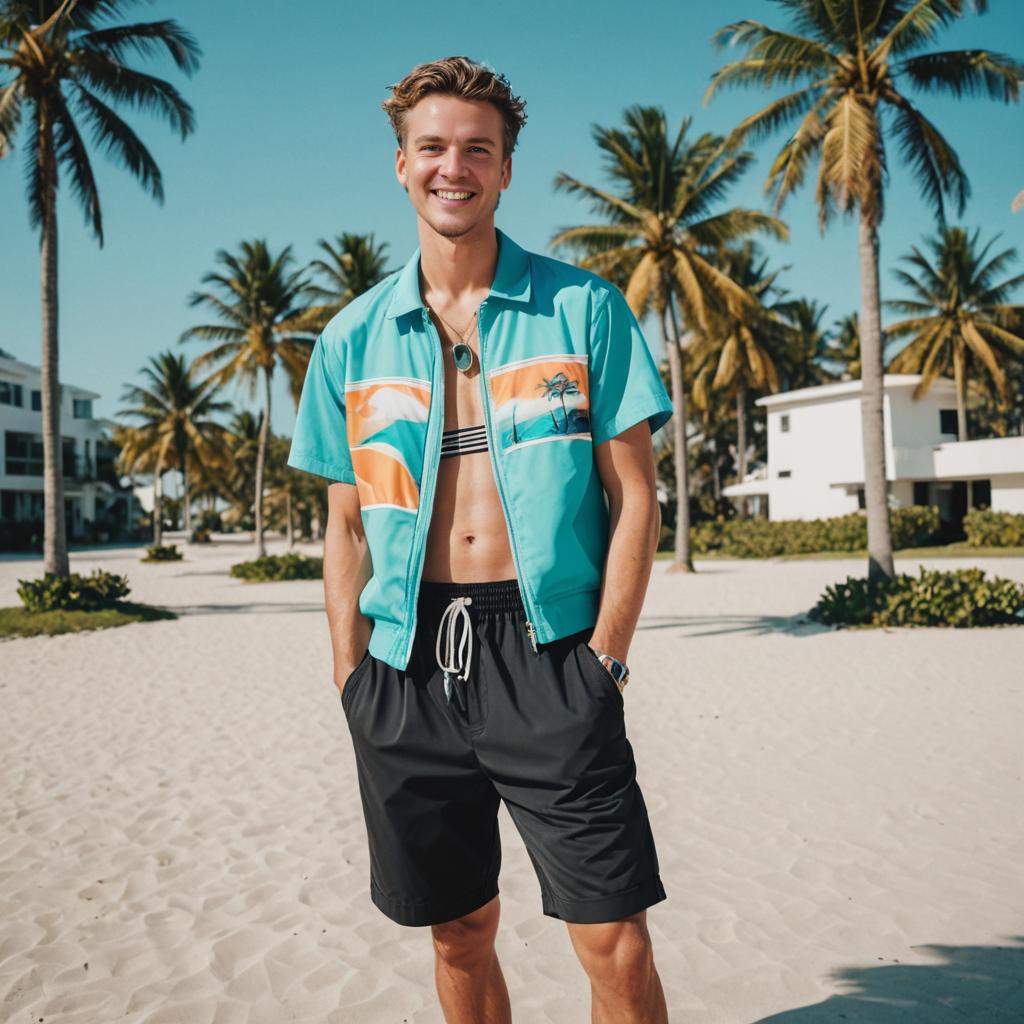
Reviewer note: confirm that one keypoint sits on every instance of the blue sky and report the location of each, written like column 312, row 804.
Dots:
column 291, row 145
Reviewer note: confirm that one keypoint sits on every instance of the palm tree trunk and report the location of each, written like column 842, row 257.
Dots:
column 158, row 500
column 55, row 543
column 960, row 378
column 741, row 442
column 682, row 560
column 716, row 477
column 288, row 513
column 261, row 458
column 186, row 498
column 872, row 417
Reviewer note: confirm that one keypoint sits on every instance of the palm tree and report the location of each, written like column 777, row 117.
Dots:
column 63, row 62
column 354, row 264
column 658, row 238
column 807, row 345
column 558, row 387
column 843, row 347
column 960, row 319
column 849, row 59
column 175, row 410
column 259, row 306
column 737, row 350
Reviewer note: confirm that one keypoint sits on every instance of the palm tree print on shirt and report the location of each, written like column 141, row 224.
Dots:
column 523, row 394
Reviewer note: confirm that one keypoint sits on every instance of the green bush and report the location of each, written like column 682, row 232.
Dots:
column 958, row 598
column 200, row 536
column 162, row 553
column 765, row 538
column 279, row 567
column 988, row 529
column 53, row 592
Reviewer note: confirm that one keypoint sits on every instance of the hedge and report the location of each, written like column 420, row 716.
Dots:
column 988, row 529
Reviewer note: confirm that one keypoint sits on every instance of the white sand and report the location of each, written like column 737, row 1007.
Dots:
column 839, row 815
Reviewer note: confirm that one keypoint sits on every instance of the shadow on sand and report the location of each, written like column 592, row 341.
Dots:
column 984, row 984
column 715, row 625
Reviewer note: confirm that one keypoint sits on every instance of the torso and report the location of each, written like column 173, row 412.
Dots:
column 468, row 539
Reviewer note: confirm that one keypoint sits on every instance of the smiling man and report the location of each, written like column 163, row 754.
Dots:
column 485, row 417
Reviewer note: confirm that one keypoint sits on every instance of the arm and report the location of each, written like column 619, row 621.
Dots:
column 347, row 569
column 625, row 464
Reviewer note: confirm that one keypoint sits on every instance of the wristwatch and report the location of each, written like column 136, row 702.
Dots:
column 618, row 669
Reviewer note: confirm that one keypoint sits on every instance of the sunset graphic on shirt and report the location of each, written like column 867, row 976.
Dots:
column 546, row 398
column 387, row 424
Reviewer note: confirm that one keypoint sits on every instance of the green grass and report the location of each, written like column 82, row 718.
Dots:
column 960, row 550
column 19, row 622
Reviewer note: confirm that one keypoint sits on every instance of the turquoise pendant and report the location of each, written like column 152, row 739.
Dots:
column 463, row 357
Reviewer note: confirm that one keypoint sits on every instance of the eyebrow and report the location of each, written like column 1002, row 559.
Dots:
column 437, row 138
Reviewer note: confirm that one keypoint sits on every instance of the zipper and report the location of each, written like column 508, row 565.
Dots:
column 492, row 451
column 430, row 478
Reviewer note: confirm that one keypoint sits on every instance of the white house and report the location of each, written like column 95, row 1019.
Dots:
column 816, row 460
column 91, row 490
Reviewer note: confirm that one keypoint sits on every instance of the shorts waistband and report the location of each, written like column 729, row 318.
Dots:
column 491, row 598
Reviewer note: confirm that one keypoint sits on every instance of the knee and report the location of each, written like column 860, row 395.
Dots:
column 467, row 940
column 617, row 956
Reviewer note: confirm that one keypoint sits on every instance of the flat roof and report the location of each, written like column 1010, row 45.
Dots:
column 891, row 381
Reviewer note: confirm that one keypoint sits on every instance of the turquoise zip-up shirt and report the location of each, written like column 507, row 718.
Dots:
column 563, row 367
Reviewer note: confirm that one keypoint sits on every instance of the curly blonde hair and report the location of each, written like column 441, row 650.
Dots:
column 462, row 77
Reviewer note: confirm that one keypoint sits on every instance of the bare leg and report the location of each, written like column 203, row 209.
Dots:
column 624, row 983
column 469, row 981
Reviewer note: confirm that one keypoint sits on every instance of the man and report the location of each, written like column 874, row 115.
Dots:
column 486, row 417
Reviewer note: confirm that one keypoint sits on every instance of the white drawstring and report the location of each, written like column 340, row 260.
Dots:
column 456, row 609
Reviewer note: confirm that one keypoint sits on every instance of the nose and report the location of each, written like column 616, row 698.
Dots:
column 451, row 165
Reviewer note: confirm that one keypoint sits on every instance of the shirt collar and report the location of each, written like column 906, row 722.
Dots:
column 511, row 278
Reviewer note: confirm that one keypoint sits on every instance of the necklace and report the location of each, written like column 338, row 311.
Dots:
column 461, row 352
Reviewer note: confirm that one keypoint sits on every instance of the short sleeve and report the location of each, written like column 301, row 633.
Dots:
column 320, row 440
column 625, row 386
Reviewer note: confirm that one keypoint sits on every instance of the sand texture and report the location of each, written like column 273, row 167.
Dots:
column 839, row 815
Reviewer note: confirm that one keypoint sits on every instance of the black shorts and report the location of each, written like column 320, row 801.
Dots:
column 542, row 730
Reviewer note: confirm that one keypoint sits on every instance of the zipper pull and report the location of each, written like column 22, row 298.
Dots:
column 532, row 634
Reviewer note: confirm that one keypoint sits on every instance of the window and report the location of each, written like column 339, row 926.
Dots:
column 981, row 493
column 23, row 454
column 83, row 408
column 784, row 423
column 37, row 401
column 11, row 394
column 785, row 472
column 860, row 497
column 948, row 422
column 920, row 492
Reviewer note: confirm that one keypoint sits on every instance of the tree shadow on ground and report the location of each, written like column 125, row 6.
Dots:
column 972, row 983
column 715, row 625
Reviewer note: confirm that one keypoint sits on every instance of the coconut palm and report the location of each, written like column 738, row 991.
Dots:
column 354, row 264
column 558, row 387
column 660, row 228
column 259, row 305
column 960, row 320
column 737, row 351
column 843, row 348
column 62, row 69
column 175, row 408
column 850, row 61
column 806, row 347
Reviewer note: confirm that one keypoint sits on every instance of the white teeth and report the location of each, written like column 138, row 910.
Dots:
column 454, row 195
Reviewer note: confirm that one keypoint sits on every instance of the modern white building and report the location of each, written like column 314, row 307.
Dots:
column 92, row 494
column 816, row 461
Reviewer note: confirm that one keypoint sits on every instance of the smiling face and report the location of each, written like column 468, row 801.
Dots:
column 452, row 164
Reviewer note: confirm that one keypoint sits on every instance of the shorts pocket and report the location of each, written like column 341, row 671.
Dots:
column 352, row 680
column 591, row 658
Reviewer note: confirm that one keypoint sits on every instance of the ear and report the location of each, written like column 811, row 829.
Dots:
column 506, row 172
column 400, row 168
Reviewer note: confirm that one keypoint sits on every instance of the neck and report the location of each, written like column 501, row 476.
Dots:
column 456, row 268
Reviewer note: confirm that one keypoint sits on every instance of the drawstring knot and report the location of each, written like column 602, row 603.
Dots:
column 456, row 659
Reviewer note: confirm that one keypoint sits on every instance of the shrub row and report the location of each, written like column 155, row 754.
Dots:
column 958, row 598
column 765, row 538
column 988, row 529
column 279, row 567
column 85, row 593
